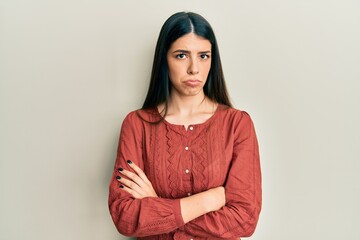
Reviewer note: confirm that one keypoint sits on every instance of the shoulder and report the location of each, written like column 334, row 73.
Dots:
column 134, row 124
column 140, row 117
column 237, row 122
column 234, row 115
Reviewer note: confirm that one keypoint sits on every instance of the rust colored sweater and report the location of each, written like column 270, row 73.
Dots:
column 223, row 151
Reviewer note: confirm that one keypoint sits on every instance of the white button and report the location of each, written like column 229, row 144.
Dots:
column 186, row 148
column 187, row 171
column 191, row 128
column 189, row 194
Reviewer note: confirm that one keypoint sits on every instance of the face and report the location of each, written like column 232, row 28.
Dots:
column 189, row 62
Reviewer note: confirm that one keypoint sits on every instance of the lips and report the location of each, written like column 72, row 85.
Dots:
column 192, row 82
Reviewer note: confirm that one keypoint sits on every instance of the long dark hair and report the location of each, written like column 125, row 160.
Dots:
column 176, row 26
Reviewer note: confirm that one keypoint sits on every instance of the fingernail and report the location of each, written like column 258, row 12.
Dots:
column 118, row 177
column 120, row 169
column 121, row 186
column 129, row 161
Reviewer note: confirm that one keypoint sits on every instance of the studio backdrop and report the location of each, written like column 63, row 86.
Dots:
column 70, row 71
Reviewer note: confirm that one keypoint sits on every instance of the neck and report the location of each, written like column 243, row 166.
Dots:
column 186, row 105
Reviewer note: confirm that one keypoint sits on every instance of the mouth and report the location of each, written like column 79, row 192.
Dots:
column 192, row 82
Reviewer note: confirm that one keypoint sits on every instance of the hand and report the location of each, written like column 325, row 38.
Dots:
column 137, row 184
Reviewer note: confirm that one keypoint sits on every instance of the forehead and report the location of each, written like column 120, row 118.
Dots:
column 191, row 42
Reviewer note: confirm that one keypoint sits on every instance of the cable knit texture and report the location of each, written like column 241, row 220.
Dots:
column 223, row 151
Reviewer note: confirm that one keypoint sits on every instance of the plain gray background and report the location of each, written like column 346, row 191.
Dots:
column 71, row 70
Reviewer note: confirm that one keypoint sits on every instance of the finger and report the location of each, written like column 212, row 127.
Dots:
column 138, row 171
column 146, row 188
column 133, row 177
column 130, row 191
column 131, row 185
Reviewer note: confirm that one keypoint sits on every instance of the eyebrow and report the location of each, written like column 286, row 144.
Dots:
column 186, row 51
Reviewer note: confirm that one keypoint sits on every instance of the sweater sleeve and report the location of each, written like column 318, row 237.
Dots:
column 138, row 217
column 239, row 217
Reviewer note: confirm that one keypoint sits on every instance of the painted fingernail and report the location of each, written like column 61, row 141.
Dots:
column 120, row 169
column 121, row 186
column 118, row 177
column 129, row 161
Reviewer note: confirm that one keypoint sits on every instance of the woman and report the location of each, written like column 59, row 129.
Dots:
column 188, row 164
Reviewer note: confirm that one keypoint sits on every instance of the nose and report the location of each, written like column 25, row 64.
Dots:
column 193, row 68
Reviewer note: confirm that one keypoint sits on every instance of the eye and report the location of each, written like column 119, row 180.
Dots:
column 204, row 56
column 181, row 56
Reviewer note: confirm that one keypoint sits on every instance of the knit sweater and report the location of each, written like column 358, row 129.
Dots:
column 179, row 162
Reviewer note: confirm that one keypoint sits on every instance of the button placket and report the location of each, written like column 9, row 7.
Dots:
column 187, row 156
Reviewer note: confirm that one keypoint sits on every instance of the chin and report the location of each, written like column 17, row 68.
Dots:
column 193, row 92
column 188, row 91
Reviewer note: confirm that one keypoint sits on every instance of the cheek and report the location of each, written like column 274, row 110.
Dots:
column 206, row 69
column 175, row 70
